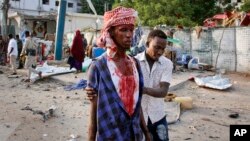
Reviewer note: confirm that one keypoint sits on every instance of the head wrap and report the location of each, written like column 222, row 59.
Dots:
column 115, row 17
column 77, row 49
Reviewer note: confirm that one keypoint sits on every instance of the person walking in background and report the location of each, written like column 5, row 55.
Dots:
column 85, row 42
column 117, row 81
column 157, row 73
column 12, row 53
column 19, row 48
column 77, row 51
column 30, row 50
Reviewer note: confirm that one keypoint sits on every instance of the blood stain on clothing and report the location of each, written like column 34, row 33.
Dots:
column 127, row 87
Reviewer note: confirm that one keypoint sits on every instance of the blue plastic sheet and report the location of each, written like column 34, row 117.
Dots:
column 82, row 84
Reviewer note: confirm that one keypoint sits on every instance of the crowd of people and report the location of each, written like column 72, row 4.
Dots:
column 13, row 50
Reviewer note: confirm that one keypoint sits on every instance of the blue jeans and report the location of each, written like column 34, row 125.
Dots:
column 159, row 130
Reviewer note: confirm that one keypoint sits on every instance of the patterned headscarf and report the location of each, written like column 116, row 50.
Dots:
column 77, row 49
column 115, row 17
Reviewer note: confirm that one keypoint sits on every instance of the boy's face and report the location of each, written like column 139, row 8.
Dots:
column 156, row 47
column 122, row 35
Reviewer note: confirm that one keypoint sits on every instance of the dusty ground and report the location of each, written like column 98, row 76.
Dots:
column 208, row 120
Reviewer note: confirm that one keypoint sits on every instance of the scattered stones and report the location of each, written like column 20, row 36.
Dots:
column 46, row 89
column 212, row 137
column 234, row 115
column 193, row 128
column 86, row 102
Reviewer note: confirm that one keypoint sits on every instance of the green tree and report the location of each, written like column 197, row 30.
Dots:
column 203, row 9
column 171, row 12
column 246, row 6
column 227, row 5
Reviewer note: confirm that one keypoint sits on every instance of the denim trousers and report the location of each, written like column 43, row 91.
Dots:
column 158, row 130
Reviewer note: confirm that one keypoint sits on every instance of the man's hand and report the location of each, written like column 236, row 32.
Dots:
column 91, row 93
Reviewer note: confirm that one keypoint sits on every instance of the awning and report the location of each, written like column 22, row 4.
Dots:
column 220, row 16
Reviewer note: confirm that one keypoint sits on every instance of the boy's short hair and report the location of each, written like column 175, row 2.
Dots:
column 156, row 33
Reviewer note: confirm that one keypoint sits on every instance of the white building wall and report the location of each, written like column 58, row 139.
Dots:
column 226, row 49
column 234, row 54
column 243, row 49
column 36, row 7
column 74, row 21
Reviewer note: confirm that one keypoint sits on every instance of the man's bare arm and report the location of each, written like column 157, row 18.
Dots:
column 157, row 92
column 93, row 119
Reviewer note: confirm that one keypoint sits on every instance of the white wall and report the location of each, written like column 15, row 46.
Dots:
column 243, row 49
column 32, row 7
column 234, row 52
column 74, row 21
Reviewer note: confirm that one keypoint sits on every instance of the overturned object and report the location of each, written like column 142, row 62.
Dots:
column 172, row 111
column 186, row 102
column 48, row 70
column 214, row 82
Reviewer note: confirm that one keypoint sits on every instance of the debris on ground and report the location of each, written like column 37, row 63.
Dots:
column 234, row 115
column 214, row 82
column 81, row 84
column 73, row 137
column 46, row 114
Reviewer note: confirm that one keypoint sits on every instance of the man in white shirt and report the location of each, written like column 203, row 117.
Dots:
column 157, row 74
column 12, row 53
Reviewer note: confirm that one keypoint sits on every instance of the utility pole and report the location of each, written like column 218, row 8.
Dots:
column 60, row 29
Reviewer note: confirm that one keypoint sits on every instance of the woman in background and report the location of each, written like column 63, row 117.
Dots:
column 77, row 52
